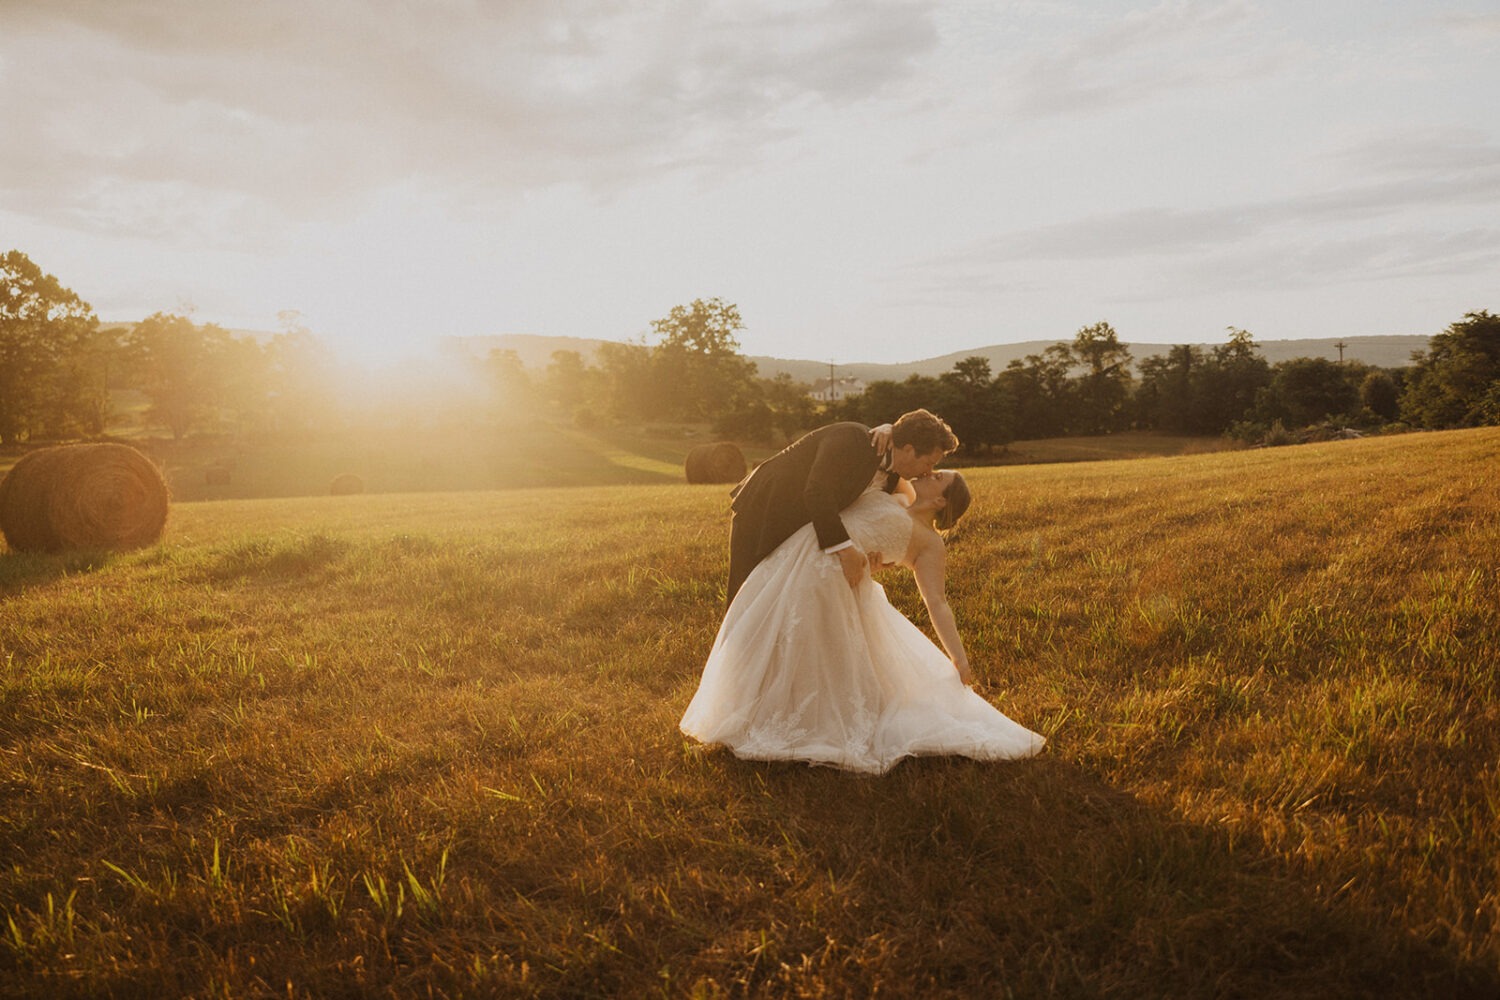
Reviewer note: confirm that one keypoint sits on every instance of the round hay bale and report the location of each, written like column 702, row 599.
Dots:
column 346, row 484
column 722, row 462
column 83, row 496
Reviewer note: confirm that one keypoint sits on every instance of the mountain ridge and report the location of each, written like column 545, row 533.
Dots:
column 1382, row 351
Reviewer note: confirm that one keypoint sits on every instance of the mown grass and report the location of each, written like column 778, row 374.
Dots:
column 1106, row 447
column 435, row 459
column 426, row 745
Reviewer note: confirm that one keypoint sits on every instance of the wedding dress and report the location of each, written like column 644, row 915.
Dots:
column 807, row 668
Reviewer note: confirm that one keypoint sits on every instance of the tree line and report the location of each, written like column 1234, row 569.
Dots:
column 1092, row 386
column 59, row 367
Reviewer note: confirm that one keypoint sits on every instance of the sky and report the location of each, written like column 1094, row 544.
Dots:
column 873, row 181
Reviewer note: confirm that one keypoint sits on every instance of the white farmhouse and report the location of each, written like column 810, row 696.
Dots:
column 831, row 390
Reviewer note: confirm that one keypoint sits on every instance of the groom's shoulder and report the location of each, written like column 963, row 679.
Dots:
column 844, row 429
column 844, row 438
column 842, row 435
column 839, row 434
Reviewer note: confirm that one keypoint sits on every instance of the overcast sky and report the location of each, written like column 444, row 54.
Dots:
column 867, row 181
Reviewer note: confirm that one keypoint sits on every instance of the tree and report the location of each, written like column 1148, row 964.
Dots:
column 248, row 387
column 1304, row 391
column 183, row 369
column 881, row 401
column 792, row 408
column 1379, row 394
column 566, row 380
column 1169, row 395
column 1231, row 382
column 699, row 370
column 514, row 391
column 301, row 373
column 980, row 413
column 629, row 381
column 78, row 398
column 1039, row 392
column 1457, row 378
column 44, row 328
column 1104, row 388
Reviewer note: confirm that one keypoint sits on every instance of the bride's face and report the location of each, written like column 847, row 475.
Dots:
column 933, row 486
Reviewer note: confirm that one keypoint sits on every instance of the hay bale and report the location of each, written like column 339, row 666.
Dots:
column 83, row 496
column 722, row 462
column 346, row 484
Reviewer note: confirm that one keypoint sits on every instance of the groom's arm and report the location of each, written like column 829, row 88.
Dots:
column 844, row 461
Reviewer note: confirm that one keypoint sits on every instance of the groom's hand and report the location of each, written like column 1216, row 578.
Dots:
column 853, row 562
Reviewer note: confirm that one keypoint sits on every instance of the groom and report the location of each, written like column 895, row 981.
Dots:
column 820, row 474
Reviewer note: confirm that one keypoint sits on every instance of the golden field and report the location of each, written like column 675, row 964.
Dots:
column 415, row 744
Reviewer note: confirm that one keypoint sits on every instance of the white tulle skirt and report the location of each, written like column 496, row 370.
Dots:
column 805, row 668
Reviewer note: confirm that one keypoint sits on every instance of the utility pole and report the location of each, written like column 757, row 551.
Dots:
column 1341, row 345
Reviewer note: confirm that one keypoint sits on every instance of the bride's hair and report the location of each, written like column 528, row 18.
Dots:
column 959, row 498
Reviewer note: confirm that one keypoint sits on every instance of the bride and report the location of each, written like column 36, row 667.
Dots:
column 807, row 668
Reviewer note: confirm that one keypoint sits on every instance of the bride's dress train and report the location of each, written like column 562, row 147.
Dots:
column 806, row 668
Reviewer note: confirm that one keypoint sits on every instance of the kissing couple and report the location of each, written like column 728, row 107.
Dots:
column 812, row 661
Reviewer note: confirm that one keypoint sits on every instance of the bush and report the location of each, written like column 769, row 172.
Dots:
column 1248, row 431
column 1277, row 436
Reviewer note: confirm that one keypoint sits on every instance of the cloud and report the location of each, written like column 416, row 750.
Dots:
column 1422, row 152
column 1173, row 47
column 146, row 115
column 1477, row 27
column 1308, row 262
column 1384, row 223
column 1424, row 171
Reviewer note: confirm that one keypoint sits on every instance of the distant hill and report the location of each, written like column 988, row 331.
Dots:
column 1382, row 351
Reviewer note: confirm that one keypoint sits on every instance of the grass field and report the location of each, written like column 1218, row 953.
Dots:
column 488, row 457
column 1108, row 447
column 425, row 744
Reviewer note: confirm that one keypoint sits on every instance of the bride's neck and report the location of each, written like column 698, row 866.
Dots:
column 924, row 512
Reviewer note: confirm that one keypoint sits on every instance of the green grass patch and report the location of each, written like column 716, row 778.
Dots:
column 425, row 744
column 1108, row 447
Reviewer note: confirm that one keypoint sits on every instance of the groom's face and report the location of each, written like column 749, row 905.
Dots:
column 907, row 464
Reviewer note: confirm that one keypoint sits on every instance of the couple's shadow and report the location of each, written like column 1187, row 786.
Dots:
column 20, row 571
column 1038, row 878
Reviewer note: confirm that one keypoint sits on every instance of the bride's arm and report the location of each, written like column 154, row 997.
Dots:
column 930, row 569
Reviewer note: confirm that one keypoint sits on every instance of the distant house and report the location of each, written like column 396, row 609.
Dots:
column 831, row 390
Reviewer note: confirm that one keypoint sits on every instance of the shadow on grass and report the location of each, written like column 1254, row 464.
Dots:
column 1038, row 878
column 278, row 559
column 20, row 570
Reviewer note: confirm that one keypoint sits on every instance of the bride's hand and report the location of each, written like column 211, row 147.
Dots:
column 880, row 437
column 964, row 673
column 877, row 561
column 853, row 562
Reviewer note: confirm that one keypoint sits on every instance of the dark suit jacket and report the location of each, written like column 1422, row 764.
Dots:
column 810, row 480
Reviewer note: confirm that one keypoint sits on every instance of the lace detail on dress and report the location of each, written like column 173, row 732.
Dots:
column 878, row 522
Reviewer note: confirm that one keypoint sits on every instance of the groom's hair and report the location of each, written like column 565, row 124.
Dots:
column 959, row 499
column 925, row 431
